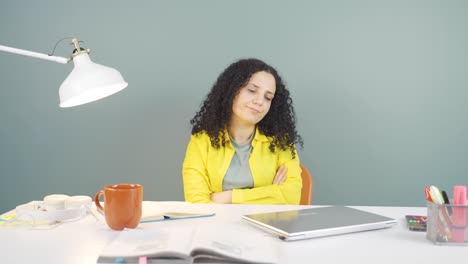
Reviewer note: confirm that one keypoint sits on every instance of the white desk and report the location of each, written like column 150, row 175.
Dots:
column 81, row 241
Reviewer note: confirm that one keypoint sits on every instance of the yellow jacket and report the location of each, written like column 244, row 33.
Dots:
column 204, row 169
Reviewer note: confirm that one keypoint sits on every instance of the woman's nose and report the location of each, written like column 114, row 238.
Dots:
column 258, row 100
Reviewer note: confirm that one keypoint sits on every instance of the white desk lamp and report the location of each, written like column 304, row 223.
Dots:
column 87, row 82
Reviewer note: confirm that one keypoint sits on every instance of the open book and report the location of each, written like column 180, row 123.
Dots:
column 177, row 243
column 161, row 211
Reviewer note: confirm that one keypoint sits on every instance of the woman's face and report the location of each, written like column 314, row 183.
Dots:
column 253, row 101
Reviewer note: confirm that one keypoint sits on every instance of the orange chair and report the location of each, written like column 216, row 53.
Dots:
column 307, row 183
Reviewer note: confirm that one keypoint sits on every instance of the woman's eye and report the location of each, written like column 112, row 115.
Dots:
column 251, row 90
column 268, row 98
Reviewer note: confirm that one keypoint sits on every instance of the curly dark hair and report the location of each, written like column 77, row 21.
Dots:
column 279, row 123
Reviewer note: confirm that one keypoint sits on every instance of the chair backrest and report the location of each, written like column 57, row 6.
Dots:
column 307, row 184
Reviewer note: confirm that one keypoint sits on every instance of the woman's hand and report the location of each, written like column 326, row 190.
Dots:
column 280, row 175
column 222, row 197
column 226, row 196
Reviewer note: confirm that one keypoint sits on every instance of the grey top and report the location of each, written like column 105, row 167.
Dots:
column 238, row 175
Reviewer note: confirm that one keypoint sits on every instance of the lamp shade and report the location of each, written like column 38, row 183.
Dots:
column 89, row 82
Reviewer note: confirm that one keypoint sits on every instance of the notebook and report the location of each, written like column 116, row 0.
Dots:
column 318, row 222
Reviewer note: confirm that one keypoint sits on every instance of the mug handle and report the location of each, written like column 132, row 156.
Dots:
column 96, row 200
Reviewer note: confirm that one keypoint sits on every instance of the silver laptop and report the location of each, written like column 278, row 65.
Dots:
column 318, row 222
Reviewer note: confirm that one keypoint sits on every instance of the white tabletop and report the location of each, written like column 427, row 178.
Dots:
column 81, row 241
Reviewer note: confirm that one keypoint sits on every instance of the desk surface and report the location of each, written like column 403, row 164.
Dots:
column 81, row 241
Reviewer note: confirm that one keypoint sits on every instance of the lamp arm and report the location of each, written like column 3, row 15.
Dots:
column 34, row 54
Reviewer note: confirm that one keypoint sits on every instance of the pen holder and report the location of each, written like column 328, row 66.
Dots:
column 447, row 224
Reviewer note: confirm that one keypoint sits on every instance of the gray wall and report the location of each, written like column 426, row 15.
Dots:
column 379, row 89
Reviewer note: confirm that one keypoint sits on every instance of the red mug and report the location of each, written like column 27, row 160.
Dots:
column 122, row 205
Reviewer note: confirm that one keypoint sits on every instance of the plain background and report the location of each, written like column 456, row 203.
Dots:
column 379, row 88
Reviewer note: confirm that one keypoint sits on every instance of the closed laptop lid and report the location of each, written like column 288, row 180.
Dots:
column 318, row 222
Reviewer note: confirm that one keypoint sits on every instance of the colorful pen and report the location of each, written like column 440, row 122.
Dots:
column 427, row 191
column 444, row 223
column 143, row 260
column 447, row 202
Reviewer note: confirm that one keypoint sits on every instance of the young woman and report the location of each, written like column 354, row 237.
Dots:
column 242, row 148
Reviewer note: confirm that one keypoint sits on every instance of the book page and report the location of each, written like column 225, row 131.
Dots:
column 235, row 242
column 152, row 211
column 156, row 211
column 170, row 242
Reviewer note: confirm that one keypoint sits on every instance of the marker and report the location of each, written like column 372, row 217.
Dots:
column 427, row 191
column 447, row 202
column 435, row 195
column 142, row 260
column 444, row 223
column 459, row 213
column 119, row 260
